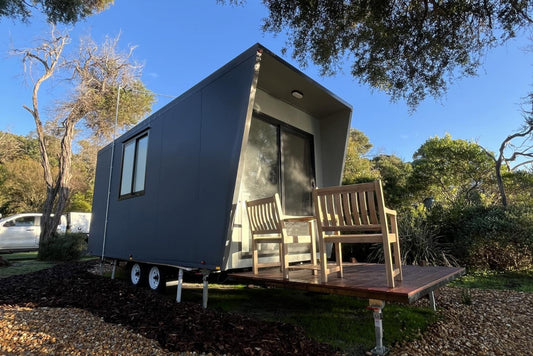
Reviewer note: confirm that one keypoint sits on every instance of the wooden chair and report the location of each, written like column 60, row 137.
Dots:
column 268, row 225
column 356, row 214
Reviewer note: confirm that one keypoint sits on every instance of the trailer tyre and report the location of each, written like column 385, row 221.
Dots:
column 156, row 279
column 137, row 274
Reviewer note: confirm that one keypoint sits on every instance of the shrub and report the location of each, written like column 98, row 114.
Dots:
column 65, row 247
column 490, row 237
column 420, row 242
column 499, row 256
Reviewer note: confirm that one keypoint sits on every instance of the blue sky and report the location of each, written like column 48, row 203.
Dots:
column 181, row 42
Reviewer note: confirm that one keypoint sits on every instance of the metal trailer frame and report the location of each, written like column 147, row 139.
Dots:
column 188, row 215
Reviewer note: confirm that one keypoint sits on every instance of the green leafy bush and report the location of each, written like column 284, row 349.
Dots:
column 499, row 256
column 420, row 242
column 65, row 247
column 488, row 237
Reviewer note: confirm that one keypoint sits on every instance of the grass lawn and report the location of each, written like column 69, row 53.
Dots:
column 21, row 263
column 521, row 281
column 341, row 321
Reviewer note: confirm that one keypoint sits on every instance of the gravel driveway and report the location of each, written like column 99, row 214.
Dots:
column 66, row 310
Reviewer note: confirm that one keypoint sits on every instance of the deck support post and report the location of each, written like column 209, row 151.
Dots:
column 377, row 306
column 114, row 269
column 180, row 285
column 205, row 274
column 432, row 303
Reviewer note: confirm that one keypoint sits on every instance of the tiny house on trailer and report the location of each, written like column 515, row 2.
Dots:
column 171, row 191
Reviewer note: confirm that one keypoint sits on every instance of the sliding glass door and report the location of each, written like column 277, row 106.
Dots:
column 279, row 159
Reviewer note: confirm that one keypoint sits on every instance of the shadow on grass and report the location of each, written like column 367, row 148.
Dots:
column 340, row 321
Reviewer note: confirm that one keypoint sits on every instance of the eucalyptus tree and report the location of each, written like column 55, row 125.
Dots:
column 516, row 146
column 357, row 166
column 94, row 76
column 451, row 170
column 408, row 48
column 395, row 174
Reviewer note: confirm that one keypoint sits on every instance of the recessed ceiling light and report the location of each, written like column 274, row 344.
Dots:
column 297, row 94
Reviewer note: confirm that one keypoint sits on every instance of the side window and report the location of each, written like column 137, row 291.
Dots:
column 134, row 166
column 23, row 221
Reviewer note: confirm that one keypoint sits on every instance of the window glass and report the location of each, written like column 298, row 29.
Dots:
column 140, row 164
column 127, row 167
column 25, row 221
column 261, row 173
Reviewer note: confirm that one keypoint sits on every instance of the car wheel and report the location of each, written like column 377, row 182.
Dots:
column 156, row 279
column 137, row 272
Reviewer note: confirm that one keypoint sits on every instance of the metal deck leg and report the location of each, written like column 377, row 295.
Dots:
column 204, row 293
column 431, row 297
column 377, row 309
column 180, row 285
column 114, row 269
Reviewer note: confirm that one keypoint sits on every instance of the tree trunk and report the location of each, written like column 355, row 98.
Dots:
column 57, row 196
column 499, row 179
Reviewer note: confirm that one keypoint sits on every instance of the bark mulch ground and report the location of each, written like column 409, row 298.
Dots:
column 177, row 327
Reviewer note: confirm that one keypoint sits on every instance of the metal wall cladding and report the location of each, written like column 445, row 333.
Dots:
column 194, row 147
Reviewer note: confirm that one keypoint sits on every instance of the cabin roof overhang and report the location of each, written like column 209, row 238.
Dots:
column 279, row 79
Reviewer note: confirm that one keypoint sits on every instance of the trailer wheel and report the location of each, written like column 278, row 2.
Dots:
column 156, row 279
column 137, row 274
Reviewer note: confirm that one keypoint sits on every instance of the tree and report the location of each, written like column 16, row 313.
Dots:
column 407, row 48
column 452, row 170
column 522, row 150
column 96, row 76
column 10, row 147
column 395, row 176
column 357, row 167
column 22, row 187
column 56, row 11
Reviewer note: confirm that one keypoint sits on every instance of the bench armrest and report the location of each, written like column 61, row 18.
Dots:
column 294, row 218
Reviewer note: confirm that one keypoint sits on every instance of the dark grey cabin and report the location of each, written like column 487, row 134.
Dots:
column 179, row 179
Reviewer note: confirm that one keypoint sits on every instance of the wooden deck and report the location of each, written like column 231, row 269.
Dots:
column 362, row 280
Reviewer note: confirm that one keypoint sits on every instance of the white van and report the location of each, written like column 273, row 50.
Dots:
column 20, row 232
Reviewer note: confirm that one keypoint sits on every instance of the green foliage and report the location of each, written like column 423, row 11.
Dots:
column 519, row 187
column 420, row 242
column 64, row 11
column 81, row 202
column 22, row 187
column 64, row 247
column 499, row 255
column 409, row 49
column 452, row 171
column 395, row 175
column 490, row 237
column 135, row 102
column 357, row 167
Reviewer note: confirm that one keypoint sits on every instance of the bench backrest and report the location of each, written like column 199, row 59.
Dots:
column 356, row 208
column 265, row 215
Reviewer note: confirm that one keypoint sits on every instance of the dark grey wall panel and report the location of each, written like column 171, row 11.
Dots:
column 99, row 201
column 193, row 151
column 224, row 107
column 194, row 146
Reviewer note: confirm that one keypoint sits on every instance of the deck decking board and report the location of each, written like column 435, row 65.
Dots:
column 363, row 280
